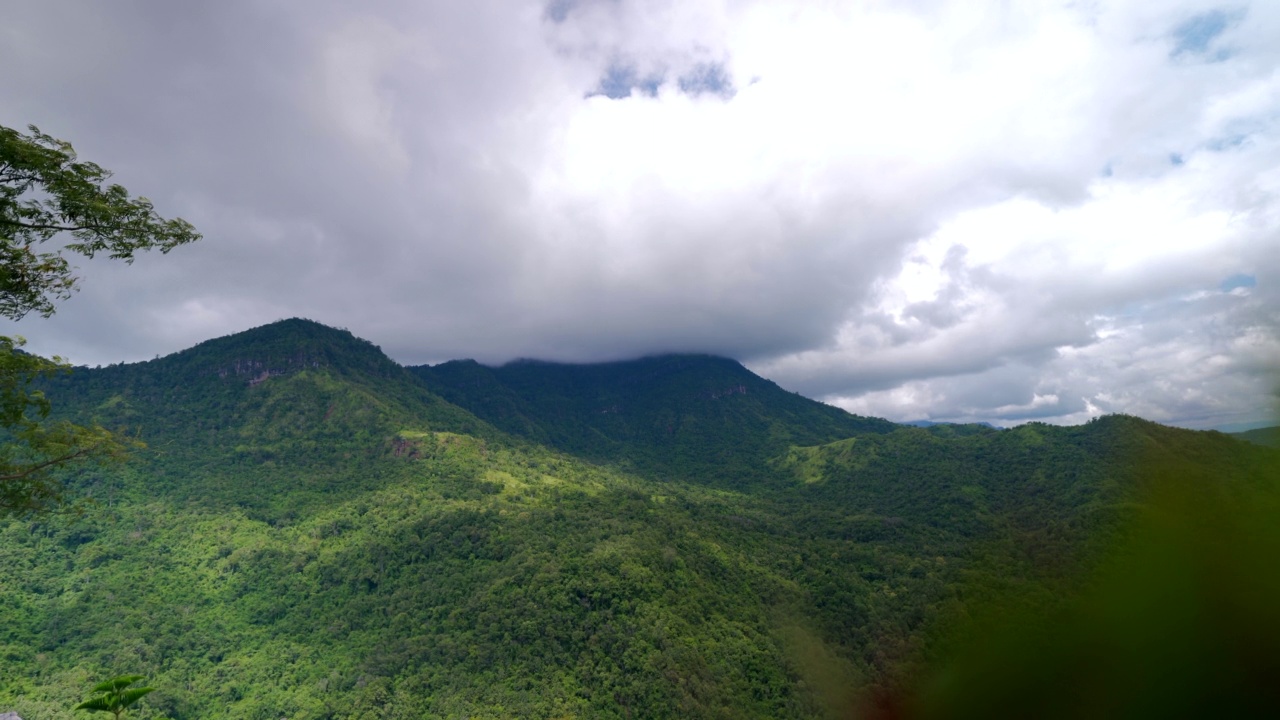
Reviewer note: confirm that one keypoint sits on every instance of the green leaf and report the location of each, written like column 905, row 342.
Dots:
column 116, row 683
column 132, row 696
column 98, row 703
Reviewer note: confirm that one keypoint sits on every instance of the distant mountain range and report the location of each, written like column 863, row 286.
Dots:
column 1269, row 436
column 315, row 531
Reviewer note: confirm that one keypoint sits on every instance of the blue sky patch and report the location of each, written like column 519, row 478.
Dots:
column 1239, row 280
column 558, row 10
column 707, row 78
column 1197, row 32
column 620, row 80
column 1228, row 142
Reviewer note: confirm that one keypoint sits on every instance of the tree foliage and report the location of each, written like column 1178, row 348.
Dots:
column 37, row 444
column 46, row 192
column 51, row 206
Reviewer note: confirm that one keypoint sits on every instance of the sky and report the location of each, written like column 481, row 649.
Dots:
column 957, row 211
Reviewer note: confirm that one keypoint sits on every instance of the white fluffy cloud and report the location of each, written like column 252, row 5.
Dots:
column 952, row 210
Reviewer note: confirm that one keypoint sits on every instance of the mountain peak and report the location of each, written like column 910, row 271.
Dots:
column 295, row 328
column 283, row 347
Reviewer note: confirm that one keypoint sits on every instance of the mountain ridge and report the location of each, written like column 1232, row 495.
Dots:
column 689, row 416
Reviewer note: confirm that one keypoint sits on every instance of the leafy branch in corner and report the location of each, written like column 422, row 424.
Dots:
column 115, row 695
column 45, row 193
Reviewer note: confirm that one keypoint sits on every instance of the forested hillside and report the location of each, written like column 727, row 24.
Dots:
column 315, row 532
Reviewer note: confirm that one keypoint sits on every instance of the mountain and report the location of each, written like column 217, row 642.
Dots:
column 287, row 395
column 689, row 417
column 317, row 532
column 1269, row 436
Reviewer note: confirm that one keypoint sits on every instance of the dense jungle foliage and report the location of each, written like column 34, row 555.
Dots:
column 314, row 532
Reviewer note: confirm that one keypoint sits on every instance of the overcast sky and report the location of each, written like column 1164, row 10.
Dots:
column 1000, row 211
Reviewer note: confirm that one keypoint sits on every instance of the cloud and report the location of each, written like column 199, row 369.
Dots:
column 931, row 209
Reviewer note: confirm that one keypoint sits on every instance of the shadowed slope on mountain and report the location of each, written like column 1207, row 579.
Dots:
column 692, row 417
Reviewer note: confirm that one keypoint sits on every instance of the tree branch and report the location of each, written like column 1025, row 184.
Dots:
column 48, row 463
column 42, row 226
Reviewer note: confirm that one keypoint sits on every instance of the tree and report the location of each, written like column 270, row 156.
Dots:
column 47, row 194
column 115, row 695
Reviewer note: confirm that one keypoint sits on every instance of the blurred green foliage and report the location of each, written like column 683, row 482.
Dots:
column 1178, row 620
